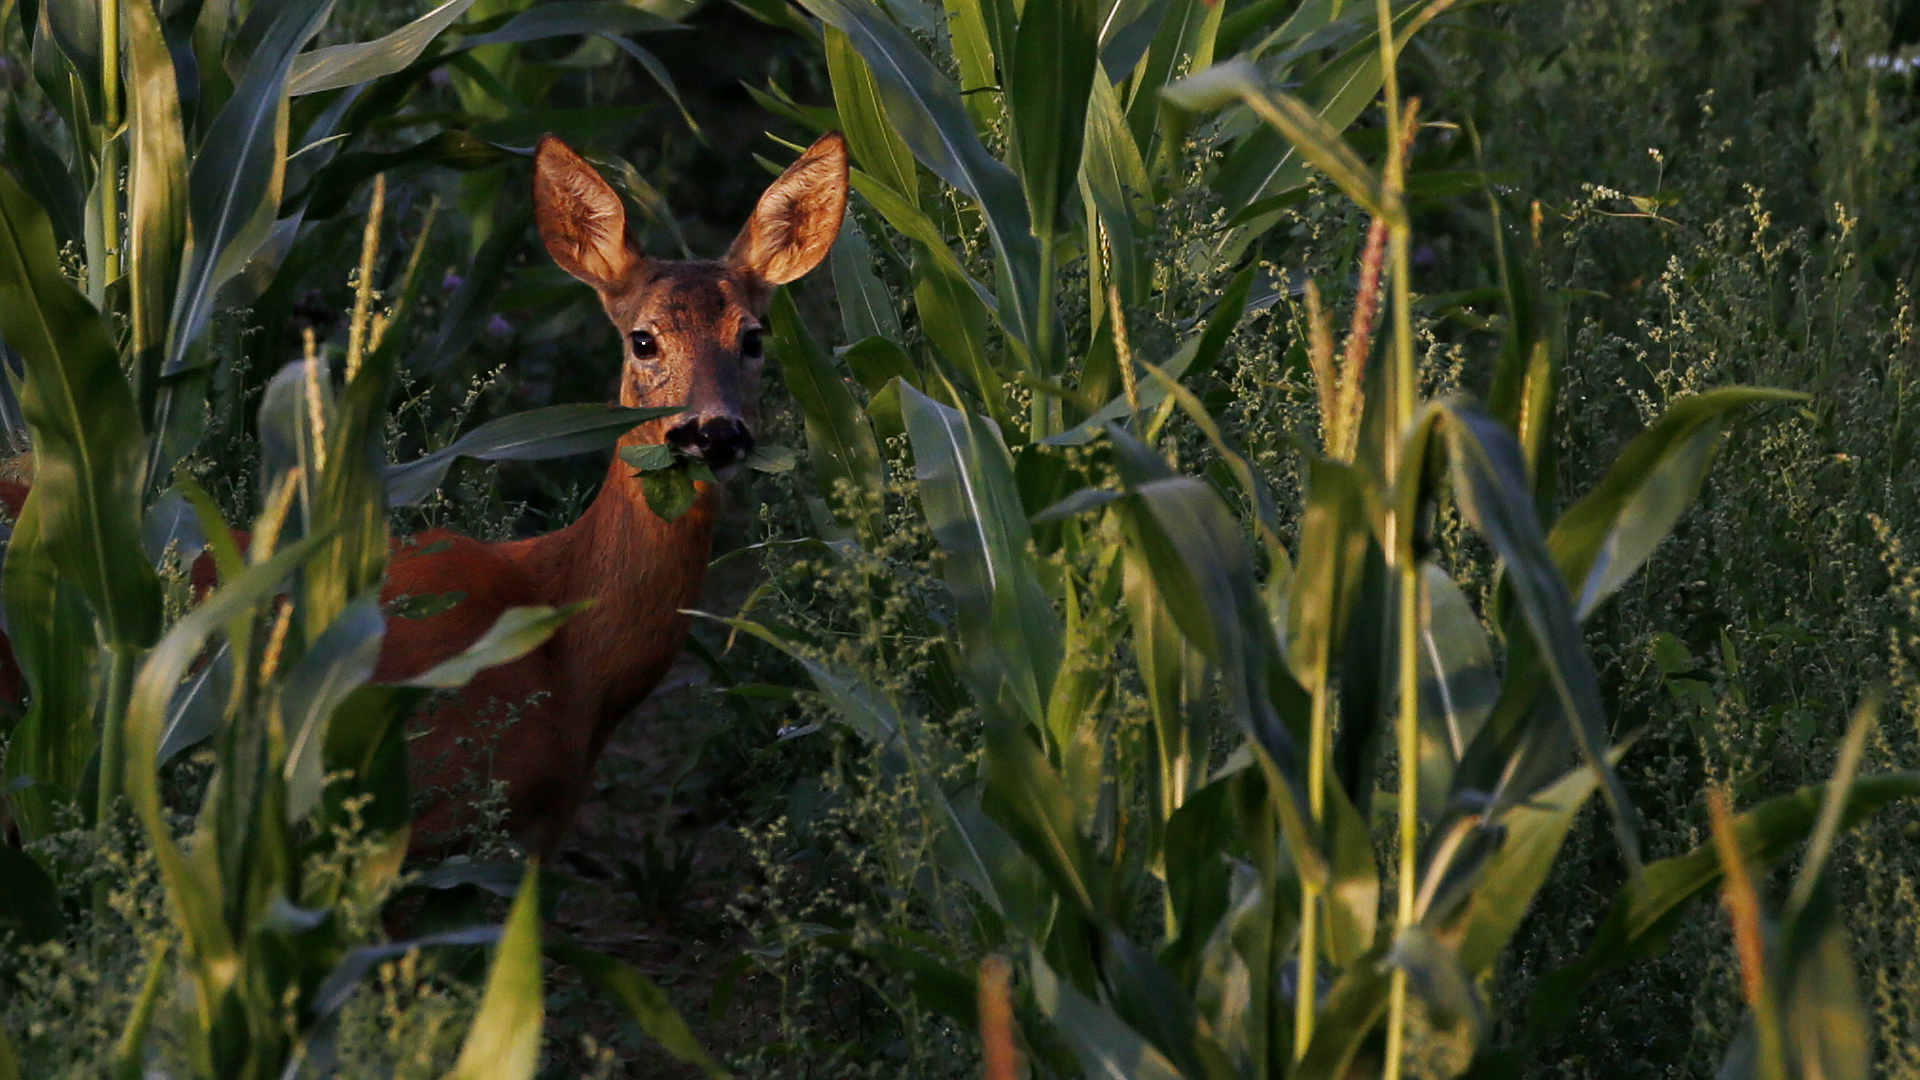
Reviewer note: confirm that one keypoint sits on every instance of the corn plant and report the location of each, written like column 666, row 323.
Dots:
column 1272, row 952
column 187, row 184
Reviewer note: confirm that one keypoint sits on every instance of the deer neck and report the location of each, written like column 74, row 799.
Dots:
column 640, row 571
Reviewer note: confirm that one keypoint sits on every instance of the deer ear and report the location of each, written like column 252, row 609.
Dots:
column 581, row 217
column 796, row 220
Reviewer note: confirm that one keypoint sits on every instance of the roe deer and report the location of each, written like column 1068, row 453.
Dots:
column 693, row 339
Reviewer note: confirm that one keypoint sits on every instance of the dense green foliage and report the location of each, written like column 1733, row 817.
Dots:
column 1078, row 635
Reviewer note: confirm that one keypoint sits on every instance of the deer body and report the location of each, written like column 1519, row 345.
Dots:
column 692, row 337
column 540, row 722
column 693, row 340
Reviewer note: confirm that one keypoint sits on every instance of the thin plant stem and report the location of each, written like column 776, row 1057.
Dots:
column 1400, row 548
column 107, row 180
column 1305, row 998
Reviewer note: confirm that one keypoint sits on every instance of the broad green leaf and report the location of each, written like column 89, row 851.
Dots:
column 955, row 320
column 1106, row 1047
column 338, row 662
column 1445, row 986
column 876, row 145
column 335, row 185
column 1826, row 1022
column 1459, row 684
column 234, row 183
column 504, row 1041
column 56, row 644
column 565, row 17
column 914, row 224
column 669, row 492
column 1353, row 893
column 1608, row 535
column 554, row 431
column 1534, row 833
column 840, row 442
column 877, row 361
column 925, row 108
column 1031, row 800
column 42, row 172
column 517, row 632
column 199, row 704
column 644, row 1001
column 86, row 428
column 866, row 308
column 1334, row 533
column 336, row 66
column 647, row 457
column 1185, row 43
column 193, row 879
column 1308, row 129
column 1046, row 81
column 1490, row 484
column 1641, row 918
column 1353, row 1009
column 1012, row 636
column 1115, row 179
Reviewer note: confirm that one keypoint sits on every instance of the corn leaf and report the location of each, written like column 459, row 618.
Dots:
column 644, row 1001
column 234, row 183
column 86, row 429
column 554, row 431
column 504, row 1041
column 1609, row 534
column 877, row 147
column 925, row 108
column 1490, row 483
column 1011, row 635
column 840, row 442
column 335, row 66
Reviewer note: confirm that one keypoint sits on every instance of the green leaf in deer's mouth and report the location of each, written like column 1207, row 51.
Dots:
column 648, row 458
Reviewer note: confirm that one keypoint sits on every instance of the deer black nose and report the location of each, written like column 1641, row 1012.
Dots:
column 719, row 442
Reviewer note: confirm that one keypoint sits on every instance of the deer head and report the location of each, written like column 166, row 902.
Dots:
column 692, row 328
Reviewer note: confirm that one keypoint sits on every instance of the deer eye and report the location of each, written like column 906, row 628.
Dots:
column 750, row 344
column 644, row 347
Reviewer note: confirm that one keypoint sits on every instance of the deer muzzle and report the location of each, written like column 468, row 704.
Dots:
column 718, row 441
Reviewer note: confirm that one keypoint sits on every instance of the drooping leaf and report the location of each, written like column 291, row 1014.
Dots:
column 554, row 431
column 1608, row 535
column 1641, row 919
column 518, row 631
column 336, row 66
column 644, row 1001
column 1104, row 1044
column 1310, row 131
